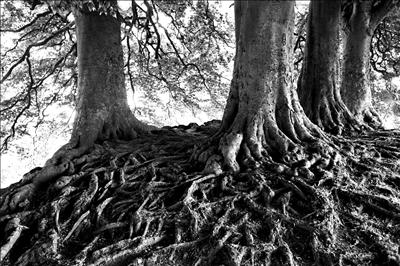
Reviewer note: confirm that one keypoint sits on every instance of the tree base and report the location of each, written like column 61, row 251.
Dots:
column 143, row 203
column 334, row 117
column 71, row 154
column 371, row 118
column 256, row 140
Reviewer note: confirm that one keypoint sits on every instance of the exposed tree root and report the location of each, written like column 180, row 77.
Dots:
column 334, row 117
column 143, row 203
column 62, row 163
column 371, row 117
column 16, row 233
column 255, row 140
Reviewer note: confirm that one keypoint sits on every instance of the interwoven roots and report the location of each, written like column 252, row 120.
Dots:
column 143, row 203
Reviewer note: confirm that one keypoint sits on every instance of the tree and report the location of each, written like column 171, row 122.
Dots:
column 102, row 111
column 160, row 35
column 362, row 18
column 184, row 62
column 263, row 115
column 319, row 82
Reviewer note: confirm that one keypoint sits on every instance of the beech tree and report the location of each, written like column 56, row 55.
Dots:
column 263, row 114
column 319, row 82
column 361, row 19
column 102, row 110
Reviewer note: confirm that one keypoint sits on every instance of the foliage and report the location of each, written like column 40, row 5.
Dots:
column 386, row 99
column 384, row 59
column 385, row 62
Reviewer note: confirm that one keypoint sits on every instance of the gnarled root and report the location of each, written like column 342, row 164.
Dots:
column 17, row 228
column 64, row 161
column 258, row 140
column 371, row 118
column 334, row 117
column 142, row 202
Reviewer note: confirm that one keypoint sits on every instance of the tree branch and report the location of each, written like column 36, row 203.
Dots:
column 26, row 107
column 27, row 50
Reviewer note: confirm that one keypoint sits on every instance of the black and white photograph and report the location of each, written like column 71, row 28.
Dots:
column 200, row 132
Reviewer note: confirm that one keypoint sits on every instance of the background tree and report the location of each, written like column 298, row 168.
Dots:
column 362, row 18
column 102, row 110
column 319, row 82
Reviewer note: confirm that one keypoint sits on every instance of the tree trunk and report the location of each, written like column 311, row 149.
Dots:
column 318, row 85
column 263, row 114
column 102, row 109
column 356, row 89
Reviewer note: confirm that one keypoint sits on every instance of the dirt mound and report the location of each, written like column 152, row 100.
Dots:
column 145, row 203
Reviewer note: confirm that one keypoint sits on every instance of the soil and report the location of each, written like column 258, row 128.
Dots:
column 145, row 202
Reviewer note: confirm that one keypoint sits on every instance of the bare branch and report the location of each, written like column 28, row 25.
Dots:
column 37, row 44
column 129, row 65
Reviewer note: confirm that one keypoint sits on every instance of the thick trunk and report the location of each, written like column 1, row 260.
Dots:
column 263, row 114
column 318, row 85
column 102, row 109
column 356, row 89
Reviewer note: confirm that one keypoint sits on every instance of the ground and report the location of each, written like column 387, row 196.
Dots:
column 144, row 202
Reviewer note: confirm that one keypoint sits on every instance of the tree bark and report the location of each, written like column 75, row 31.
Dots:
column 102, row 109
column 263, row 114
column 356, row 89
column 318, row 84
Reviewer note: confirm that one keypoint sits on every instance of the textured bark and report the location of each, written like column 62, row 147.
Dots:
column 356, row 89
column 318, row 85
column 263, row 114
column 102, row 110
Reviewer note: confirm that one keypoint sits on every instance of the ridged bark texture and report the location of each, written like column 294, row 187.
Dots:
column 263, row 114
column 318, row 85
